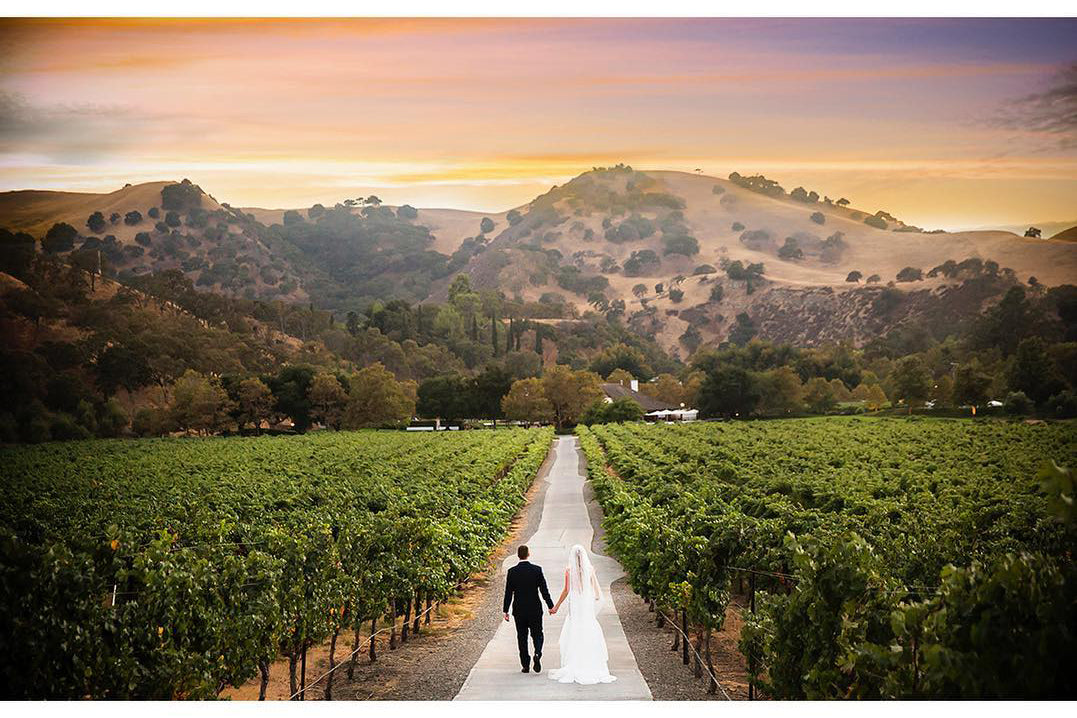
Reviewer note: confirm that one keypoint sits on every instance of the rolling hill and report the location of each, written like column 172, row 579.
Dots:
column 687, row 259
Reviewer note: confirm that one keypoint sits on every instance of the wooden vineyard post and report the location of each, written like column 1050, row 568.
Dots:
column 684, row 630
column 751, row 658
column 428, row 611
column 332, row 665
column 392, row 626
column 373, row 643
column 418, row 613
column 303, row 675
column 712, row 687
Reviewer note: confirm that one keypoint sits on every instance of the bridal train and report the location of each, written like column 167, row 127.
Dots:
column 584, row 656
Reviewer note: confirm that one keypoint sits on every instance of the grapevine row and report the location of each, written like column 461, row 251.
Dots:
column 176, row 568
column 893, row 558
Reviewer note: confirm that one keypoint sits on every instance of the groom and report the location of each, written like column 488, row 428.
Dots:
column 522, row 587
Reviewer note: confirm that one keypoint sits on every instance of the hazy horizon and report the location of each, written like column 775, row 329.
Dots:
column 949, row 123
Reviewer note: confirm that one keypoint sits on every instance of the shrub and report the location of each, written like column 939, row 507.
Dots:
column 874, row 279
column 153, row 212
column 172, row 219
column 757, row 183
column 682, row 244
column 718, row 189
column 717, row 292
column 181, row 196
column 676, row 295
column 737, row 227
column 910, row 274
column 514, row 217
column 405, row 211
column 60, row 238
column 292, row 217
column 1018, row 403
column 64, row 427
column 1062, row 405
column 854, row 276
column 876, row 222
column 197, row 218
column 640, row 262
column 791, row 250
column 486, row 225
column 614, row 412
column 818, row 217
column 802, row 195
column 887, row 301
column 96, row 222
column 704, row 269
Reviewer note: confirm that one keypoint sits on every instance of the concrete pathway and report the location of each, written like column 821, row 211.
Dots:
column 496, row 676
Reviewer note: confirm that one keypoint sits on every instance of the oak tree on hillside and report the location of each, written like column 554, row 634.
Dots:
column 60, row 238
column 97, row 222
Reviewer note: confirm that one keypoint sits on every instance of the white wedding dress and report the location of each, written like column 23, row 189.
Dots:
column 583, row 647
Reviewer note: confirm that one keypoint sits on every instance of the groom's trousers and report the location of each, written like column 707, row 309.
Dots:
column 529, row 623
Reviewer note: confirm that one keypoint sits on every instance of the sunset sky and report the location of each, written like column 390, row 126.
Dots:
column 944, row 123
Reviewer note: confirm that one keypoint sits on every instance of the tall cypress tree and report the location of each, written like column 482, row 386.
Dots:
column 493, row 333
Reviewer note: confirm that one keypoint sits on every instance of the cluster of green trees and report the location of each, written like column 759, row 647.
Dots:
column 1021, row 353
column 79, row 361
column 751, row 275
column 369, row 398
column 102, row 363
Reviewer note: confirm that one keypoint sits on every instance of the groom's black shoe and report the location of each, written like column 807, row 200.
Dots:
column 538, row 665
column 525, row 669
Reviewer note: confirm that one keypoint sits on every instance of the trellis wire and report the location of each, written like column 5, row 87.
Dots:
column 688, row 643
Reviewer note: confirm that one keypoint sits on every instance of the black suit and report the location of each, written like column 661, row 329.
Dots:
column 522, row 587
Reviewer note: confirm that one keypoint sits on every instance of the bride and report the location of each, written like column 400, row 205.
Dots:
column 583, row 647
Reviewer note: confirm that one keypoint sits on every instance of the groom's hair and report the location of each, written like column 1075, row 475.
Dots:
column 521, row 552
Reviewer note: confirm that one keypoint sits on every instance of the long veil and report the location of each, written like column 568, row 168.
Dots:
column 582, row 581
column 582, row 646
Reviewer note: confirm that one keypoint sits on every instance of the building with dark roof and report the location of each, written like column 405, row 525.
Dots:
column 649, row 403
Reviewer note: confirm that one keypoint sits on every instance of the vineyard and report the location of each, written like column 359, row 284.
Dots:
column 873, row 558
column 170, row 568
